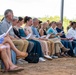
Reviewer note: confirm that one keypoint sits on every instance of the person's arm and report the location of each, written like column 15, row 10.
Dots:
column 41, row 32
column 0, row 47
column 23, row 38
column 70, row 34
column 64, row 39
column 30, row 30
column 26, row 32
column 53, row 36
column 17, row 37
column 59, row 34
column 12, row 38
column 3, row 28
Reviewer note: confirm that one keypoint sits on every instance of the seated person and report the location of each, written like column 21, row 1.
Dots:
column 51, row 43
column 55, row 35
column 44, row 44
column 42, row 30
column 22, row 45
column 4, row 26
column 21, row 34
column 5, row 55
column 71, row 34
column 63, row 37
column 69, row 26
column 14, row 23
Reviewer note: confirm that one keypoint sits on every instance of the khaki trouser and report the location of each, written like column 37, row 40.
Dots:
column 47, row 46
column 21, row 45
column 57, row 45
column 44, row 46
column 51, row 46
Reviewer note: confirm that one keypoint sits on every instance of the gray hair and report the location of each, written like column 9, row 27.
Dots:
column 34, row 19
column 15, row 18
column 7, row 11
column 44, row 23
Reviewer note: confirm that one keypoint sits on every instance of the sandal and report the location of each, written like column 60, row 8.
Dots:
column 16, row 69
column 63, row 55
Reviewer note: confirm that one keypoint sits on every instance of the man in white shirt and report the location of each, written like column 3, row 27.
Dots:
column 71, row 34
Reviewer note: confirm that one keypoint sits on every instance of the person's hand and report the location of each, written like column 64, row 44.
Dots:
column 59, row 34
column 70, row 38
column 7, row 35
column 23, row 38
column 41, row 38
column 14, row 39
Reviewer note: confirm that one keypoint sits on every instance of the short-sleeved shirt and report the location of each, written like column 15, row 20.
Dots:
column 51, row 31
column 4, row 26
column 35, row 31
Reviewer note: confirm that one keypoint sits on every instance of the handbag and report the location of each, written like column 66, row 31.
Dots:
column 32, row 58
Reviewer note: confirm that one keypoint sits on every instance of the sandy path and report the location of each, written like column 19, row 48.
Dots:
column 61, row 66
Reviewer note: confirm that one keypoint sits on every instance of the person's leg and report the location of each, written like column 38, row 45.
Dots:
column 22, row 46
column 9, row 66
column 59, row 45
column 8, row 40
column 74, row 44
column 52, row 47
column 4, row 58
column 49, row 48
column 8, row 50
column 30, row 46
column 44, row 46
column 25, row 46
column 19, row 44
column 65, row 43
column 62, row 47
column 56, row 47
column 70, row 52
column 18, row 52
column 37, row 48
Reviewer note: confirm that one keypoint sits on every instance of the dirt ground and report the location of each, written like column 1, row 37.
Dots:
column 60, row 66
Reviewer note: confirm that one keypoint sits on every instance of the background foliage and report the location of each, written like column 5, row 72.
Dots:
column 53, row 18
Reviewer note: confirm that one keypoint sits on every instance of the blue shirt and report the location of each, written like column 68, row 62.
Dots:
column 51, row 31
column 35, row 31
column 1, row 40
